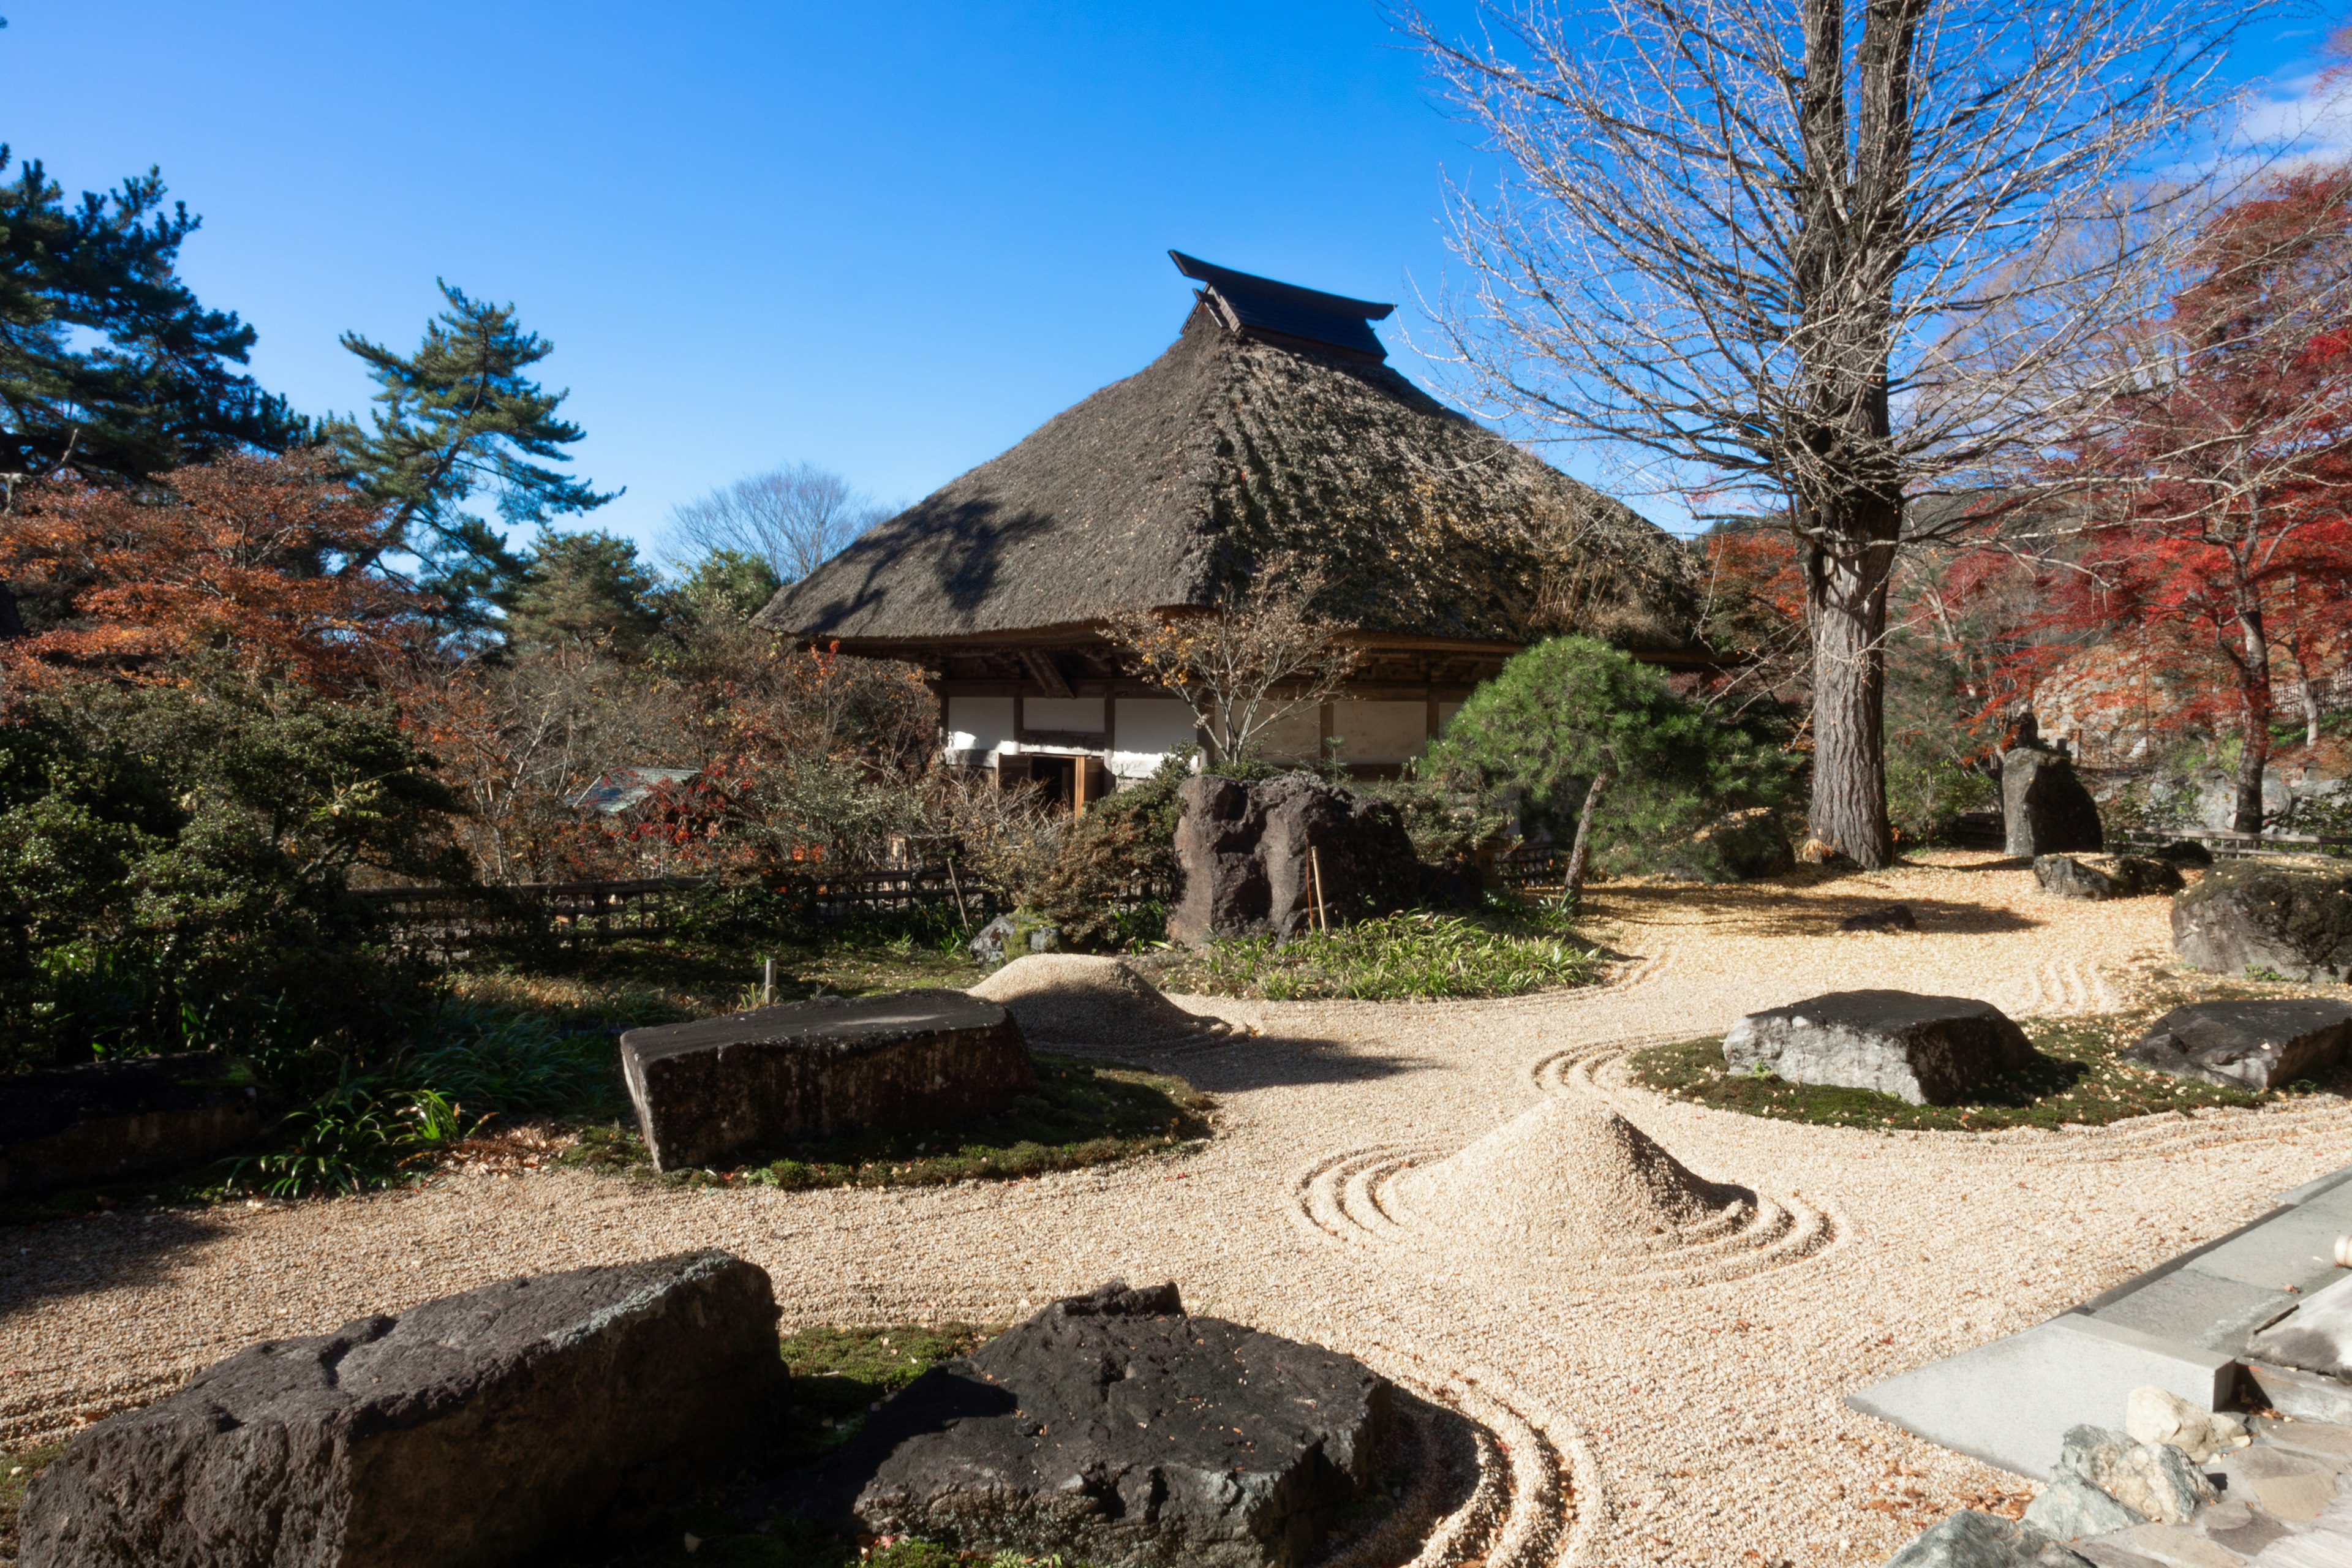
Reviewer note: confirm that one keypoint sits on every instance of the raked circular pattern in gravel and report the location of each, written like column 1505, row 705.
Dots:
column 1691, row 1418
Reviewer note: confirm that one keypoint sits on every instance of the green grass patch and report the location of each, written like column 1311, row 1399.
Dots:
column 17, row 1472
column 1083, row 1113
column 1419, row 953
column 2075, row 1078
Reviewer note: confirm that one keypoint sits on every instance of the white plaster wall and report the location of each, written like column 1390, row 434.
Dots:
column 1148, row 729
column 1296, row 737
column 977, row 728
column 1084, row 714
column 1381, row 731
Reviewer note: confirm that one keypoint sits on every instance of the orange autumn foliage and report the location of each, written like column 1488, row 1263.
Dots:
column 246, row 559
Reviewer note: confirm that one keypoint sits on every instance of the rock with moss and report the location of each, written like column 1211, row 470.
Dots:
column 2294, row 920
column 2045, row 809
column 1253, row 858
column 2255, row 1044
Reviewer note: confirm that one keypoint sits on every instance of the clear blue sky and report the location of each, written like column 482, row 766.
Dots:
column 890, row 239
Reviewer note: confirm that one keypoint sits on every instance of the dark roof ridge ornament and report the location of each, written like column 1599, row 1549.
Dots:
column 1265, row 308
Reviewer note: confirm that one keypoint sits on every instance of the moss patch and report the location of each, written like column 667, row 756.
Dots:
column 2074, row 1078
column 1083, row 1113
column 17, row 1472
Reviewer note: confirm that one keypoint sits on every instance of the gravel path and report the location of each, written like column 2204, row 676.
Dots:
column 1684, row 1413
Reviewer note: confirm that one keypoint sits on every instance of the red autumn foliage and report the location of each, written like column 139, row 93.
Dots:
column 2219, row 534
column 242, row 558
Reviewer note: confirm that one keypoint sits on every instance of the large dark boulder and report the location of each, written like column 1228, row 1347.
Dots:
column 2247, row 1044
column 1246, row 857
column 1116, row 1430
column 467, row 1432
column 109, row 1121
column 2045, row 809
column 2105, row 876
column 812, row 1069
column 1929, row 1050
column 2295, row 921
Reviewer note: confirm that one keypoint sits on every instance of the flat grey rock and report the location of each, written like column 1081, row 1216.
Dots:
column 463, row 1433
column 1117, row 1430
column 1972, row 1540
column 2104, row 877
column 2071, row 1508
column 2153, row 1480
column 2295, row 921
column 2316, row 1337
column 1928, row 1050
column 1885, row 917
column 2256, row 1044
column 816, row 1068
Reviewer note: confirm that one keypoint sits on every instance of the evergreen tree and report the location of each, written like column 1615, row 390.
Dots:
column 457, row 418
column 583, row 587
column 108, row 363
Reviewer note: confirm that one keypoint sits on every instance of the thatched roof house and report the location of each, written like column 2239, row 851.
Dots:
column 1272, row 424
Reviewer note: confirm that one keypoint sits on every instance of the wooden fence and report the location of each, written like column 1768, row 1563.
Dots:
column 451, row 922
column 2227, row 843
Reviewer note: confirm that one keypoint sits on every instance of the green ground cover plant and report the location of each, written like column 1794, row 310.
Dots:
column 1417, row 955
column 1082, row 1113
column 2075, row 1078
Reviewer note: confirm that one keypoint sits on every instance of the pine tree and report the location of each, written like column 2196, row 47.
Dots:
column 458, row 417
column 109, row 364
column 583, row 587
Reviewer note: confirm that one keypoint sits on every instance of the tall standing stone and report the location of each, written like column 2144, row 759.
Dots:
column 2045, row 809
column 1247, row 857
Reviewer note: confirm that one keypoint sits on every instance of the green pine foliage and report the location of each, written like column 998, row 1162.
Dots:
column 109, row 364
column 457, row 419
column 1693, row 795
column 583, row 587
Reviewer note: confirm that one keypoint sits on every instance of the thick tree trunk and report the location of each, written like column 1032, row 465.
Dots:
column 1580, row 854
column 1846, row 600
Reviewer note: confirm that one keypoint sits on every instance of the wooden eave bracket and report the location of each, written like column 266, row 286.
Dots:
column 1048, row 674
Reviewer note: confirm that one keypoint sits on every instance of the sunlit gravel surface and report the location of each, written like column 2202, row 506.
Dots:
column 1690, row 1417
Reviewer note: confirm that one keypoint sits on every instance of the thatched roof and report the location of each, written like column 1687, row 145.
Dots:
column 1236, row 444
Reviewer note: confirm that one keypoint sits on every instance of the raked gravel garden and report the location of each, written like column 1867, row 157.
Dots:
column 1685, row 1409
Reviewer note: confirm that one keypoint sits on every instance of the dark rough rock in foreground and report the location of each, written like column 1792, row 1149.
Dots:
column 1245, row 854
column 2295, row 921
column 2247, row 1044
column 2105, row 876
column 1969, row 1539
column 812, row 1069
column 1886, row 917
column 1929, row 1050
column 1117, row 1431
column 467, row 1432
column 109, row 1121
column 2045, row 809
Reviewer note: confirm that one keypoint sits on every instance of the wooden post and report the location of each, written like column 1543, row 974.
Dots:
column 1079, row 786
column 963, row 916
column 1315, row 866
column 768, row 984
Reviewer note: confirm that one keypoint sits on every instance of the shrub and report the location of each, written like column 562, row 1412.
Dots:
column 1693, row 795
column 1416, row 955
column 1110, row 882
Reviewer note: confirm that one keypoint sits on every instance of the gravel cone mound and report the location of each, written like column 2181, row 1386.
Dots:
column 1569, row 1180
column 1073, row 999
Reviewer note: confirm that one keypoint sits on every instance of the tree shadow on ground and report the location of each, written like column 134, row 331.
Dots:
column 50, row 1259
column 1258, row 1061
column 1764, row 911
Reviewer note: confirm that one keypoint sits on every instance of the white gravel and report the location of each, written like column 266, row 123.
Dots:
column 1684, row 1411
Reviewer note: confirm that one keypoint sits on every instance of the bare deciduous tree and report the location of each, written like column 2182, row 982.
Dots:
column 1814, row 262
column 1262, row 654
column 795, row 517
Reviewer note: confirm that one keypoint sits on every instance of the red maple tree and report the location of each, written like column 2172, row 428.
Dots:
column 2218, row 530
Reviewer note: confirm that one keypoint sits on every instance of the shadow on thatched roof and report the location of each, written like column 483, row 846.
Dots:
column 1159, row 490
